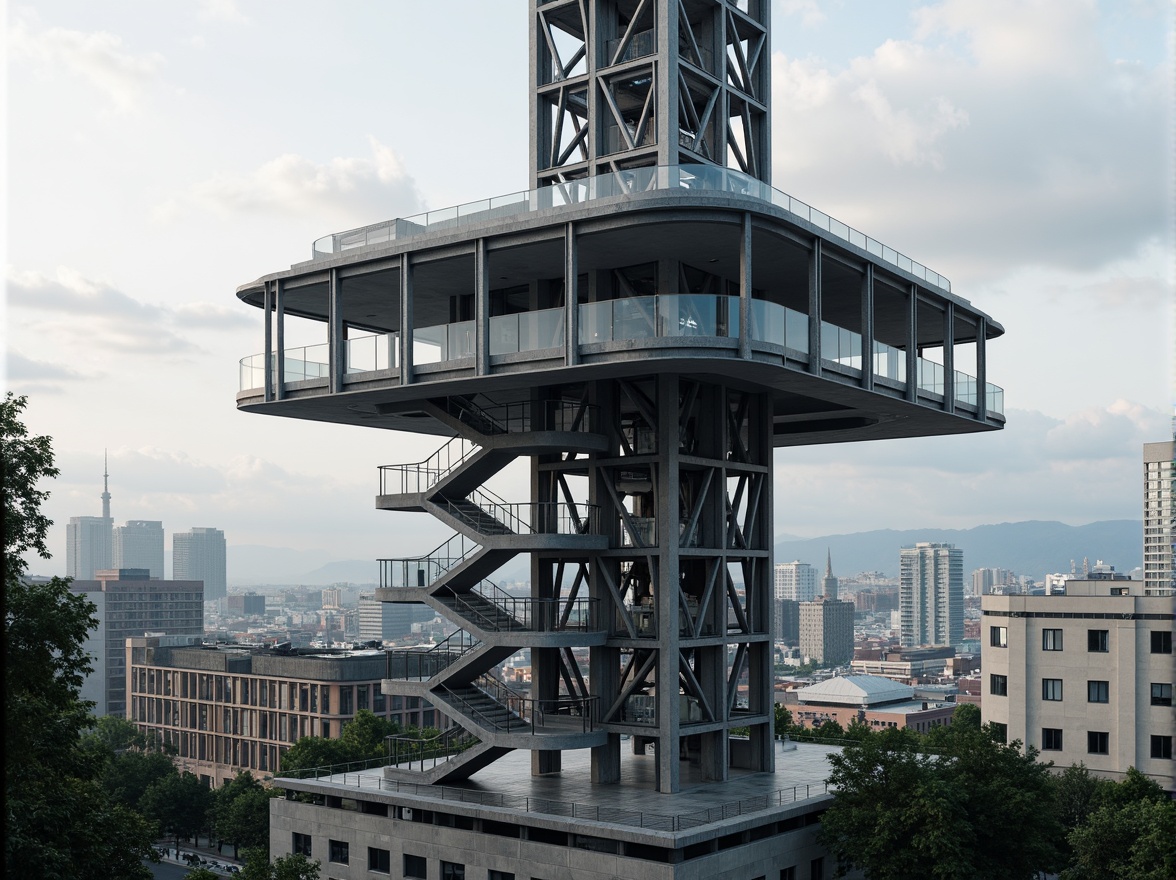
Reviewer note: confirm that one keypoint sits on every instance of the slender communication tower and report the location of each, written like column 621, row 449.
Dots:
column 645, row 326
column 105, row 485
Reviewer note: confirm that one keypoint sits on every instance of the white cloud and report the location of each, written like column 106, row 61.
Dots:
column 222, row 11
column 997, row 135
column 99, row 57
column 1083, row 468
column 345, row 187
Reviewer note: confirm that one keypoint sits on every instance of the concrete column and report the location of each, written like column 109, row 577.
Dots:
column 571, row 297
column 981, row 368
column 949, row 357
column 745, row 287
column 666, row 82
column 912, row 349
column 668, row 501
column 868, row 328
column 267, row 307
column 335, row 344
column 405, row 319
column 481, row 309
column 814, row 306
column 280, row 339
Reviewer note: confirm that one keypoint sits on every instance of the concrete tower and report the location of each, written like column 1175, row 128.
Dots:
column 1159, row 516
column 645, row 326
column 931, row 595
column 89, row 539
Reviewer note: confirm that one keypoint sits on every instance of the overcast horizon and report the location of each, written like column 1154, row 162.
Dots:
column 161, row 155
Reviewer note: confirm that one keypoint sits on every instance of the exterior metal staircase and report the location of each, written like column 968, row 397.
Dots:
column 452, row 579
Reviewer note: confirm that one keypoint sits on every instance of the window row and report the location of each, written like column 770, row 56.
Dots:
column 1098, row 743
column 1096, row 691
column 1097, row 640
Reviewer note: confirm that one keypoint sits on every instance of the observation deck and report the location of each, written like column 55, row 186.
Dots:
column 690, row 269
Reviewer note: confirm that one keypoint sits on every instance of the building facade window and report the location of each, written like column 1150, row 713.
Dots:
column 1161, row 642
column 339, row 852
column 300, row 844
column 1097, row 641
column 1051, row 739
column 1098, row 692
column 1051, row 689
column 415, row 867
column 1161, row 694
column 788, row 873
column 1051, row 640
column 500, row 875
column 1098, row 742
column 998, row 636
column 999, row 731
column 998, row 685
column 452, row 871
column 817, row 869
column 379, row 860
column 1161, row 747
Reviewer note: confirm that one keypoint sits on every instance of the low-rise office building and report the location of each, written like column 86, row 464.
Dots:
column 227, row 708
column 1086, row 676
column 868, row 699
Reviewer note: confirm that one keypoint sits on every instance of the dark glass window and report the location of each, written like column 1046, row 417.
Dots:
column 998, row 685
column 1098, row 692
column 1096, row 641
column 1051, row 689
column 379, row 860
column 338, row 851
column 998, row 636
column 1098, row 742
column 1161, row 642
column 1161, row 694
column 300, row 844
column 1051, row 640
column 415, row 867
column 1161, row 747
column 452, row 871
column 1051, row 739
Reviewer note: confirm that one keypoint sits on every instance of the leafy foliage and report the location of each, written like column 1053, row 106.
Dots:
column 241, row 812
column 60, row 820
column 1132, row 841
column 292, row 867
column 978, row 809
column 179, row 802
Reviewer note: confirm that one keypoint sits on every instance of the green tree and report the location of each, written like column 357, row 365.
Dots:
column 291, row 867
column 782, row 720
column 128, row 776
column 316, row 751
column 828, row 729
column 241, row 813
column 179, row 803
column 60, row 822
column 1134, row 841
column 364, row 734
column 978, row 810
column 117, row 734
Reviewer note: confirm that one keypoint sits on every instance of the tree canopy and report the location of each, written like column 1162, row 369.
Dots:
column 973, row 809
column 60, row 820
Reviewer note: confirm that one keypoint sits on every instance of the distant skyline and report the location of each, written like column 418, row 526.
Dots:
column 161, row 155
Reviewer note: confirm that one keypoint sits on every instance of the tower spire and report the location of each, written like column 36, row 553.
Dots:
column 105, row 484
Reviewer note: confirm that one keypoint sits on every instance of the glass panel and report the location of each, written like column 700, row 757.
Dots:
column 596, row 322
column 796, row 330
column 430, row 345
column 930, row 376
column 889, row 362
column 633, row 318
column 462, row 339
column 687, row 314
column 542, row 329
column 965, row 388
column 504, row 334
column 767, row 321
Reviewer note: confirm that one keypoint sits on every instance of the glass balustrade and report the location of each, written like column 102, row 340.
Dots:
column 965, row 388
column 370, row 353
column 841, row 346
column 527, row 331
column 995, row 399
column 627, row 182
column 889, row 362
column 930, row 376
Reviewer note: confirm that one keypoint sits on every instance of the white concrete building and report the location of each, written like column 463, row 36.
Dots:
column 796, row 581
column 1086, row 676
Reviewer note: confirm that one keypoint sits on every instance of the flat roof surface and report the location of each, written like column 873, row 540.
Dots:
column 800, row 775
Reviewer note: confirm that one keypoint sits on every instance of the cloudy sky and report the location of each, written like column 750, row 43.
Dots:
column 161, row 154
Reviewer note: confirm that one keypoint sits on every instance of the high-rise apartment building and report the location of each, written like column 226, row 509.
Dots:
column 1159, row 573
column 796, row 581
column 1086, row 676
column 199, row 555
column 643, row 327
column 380, row 621
column 826, row 631
column 89, row 539
column 139, row 544
column 931, row 595
column 129, row 604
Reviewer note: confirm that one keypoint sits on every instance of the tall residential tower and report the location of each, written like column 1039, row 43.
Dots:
column 1158, row 516
column 199, row 555
column 139, row 544
column 931, row 595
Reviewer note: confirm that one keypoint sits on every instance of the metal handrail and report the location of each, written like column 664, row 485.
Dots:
column 526, row 713
column 451, row 741
column 421, row 571
column 531, row 517
column 427, row 473
column 424, row 663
